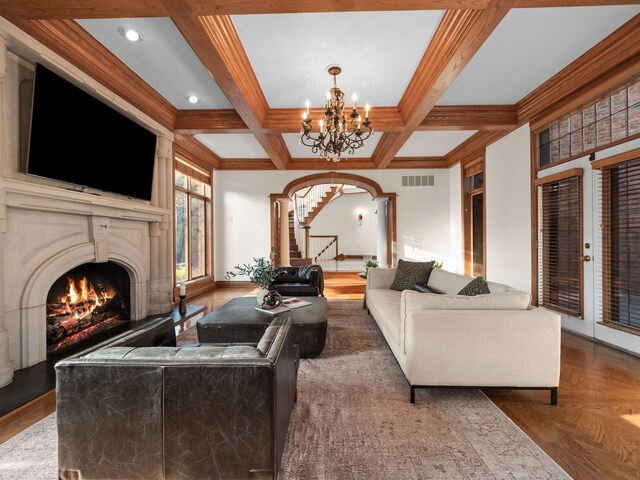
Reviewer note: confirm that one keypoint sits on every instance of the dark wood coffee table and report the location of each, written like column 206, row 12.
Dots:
column 239, row 321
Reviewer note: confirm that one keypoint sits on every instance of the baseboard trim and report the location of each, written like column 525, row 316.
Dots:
column 231, row 284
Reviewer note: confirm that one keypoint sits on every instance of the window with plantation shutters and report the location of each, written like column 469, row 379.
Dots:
column 620, row 230
column 560, row 242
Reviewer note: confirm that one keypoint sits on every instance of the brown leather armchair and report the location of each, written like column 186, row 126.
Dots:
column 205, row 411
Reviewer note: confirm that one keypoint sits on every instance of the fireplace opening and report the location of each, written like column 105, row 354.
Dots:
column 85, row 306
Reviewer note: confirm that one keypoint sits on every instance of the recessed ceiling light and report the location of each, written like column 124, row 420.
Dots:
column 130, row 34
column 193, row 99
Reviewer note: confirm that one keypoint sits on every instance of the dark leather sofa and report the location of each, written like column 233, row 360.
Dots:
column 302, row 281
column 132, row 409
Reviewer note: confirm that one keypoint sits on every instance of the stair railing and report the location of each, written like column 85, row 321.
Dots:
column 323, row 247
column 307, row 202
column 300, row 235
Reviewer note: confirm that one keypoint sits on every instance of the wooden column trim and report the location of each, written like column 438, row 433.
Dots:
column 533, row 164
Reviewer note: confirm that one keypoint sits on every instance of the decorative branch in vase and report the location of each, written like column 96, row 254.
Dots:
column 261, row 272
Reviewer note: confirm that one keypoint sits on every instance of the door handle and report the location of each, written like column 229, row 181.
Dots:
column 586, row 258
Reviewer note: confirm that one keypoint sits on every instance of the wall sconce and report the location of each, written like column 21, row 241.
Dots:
column 360, row 219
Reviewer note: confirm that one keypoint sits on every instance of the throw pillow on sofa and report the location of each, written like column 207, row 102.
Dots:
column 409, row 274
column 477, row 286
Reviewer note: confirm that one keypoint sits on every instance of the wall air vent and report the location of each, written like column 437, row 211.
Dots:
column 418, row 181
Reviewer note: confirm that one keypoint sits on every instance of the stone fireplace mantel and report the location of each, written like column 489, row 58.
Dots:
column 47, row 229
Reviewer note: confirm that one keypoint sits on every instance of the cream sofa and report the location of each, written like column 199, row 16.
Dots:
column 448, row 340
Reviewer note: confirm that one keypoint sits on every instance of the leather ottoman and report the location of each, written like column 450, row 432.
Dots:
column 239, row 321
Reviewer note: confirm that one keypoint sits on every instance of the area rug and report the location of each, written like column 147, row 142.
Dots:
column 353, row 421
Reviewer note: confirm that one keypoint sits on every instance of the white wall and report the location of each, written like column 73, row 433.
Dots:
column 340, row 217
column 455, row 203
column 508, row 210
column 242, row 230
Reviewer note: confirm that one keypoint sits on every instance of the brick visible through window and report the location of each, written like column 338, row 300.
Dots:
column 609, row 118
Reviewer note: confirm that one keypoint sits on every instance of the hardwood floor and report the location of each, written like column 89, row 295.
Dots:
column 593, row 433
column 25, row 416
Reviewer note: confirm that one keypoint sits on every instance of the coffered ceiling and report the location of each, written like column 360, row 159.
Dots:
column 442, row 82
column 528, row 47
column 163, row 59
column 378, row 53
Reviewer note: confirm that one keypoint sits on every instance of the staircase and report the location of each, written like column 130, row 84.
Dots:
column 318, row 197
column 306, row 207
column 295, row 256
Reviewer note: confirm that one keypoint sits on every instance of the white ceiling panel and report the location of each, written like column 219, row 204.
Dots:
column 300, row 151
column 378, row 53
column 433, row 144
column 530, row 46
column 233, row 145
column 163, row 59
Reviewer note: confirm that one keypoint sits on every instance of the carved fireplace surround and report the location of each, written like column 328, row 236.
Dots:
column 46, row 229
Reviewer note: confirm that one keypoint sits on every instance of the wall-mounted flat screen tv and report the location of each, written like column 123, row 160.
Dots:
column 76, row 138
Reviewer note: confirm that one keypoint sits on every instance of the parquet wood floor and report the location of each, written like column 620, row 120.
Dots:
column 593, row 433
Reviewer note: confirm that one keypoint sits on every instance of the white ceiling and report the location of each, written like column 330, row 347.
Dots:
column 433, row 143
column 233, row 145
column 530, row 46
column 300, row 151
column 163, row 59
column 378, row 53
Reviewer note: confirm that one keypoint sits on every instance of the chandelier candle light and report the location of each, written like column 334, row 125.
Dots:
column 337, row 137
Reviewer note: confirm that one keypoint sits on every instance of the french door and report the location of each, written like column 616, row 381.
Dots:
column 473, row 205
column 565, row 238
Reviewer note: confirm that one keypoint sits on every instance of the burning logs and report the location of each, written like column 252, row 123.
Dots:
column 67, row 319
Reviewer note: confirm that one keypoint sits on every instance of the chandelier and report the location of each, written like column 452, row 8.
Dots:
column 338, row 136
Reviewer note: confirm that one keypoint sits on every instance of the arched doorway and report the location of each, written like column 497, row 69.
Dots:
column 386, row 218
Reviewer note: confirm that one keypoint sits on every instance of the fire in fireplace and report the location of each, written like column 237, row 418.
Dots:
column 85, row 306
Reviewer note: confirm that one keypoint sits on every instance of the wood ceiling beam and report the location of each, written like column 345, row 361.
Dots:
column 194, row 151
column 608, row 63
column 474, row 146
column 605, row 62
column 385, row 119
column 471, row 117
column 570, row 3
column 246, row 164
column 289, row 120
column 70, row 9
column 297, row 164
column 319, row 164
column 76, row 45
column 74, row 9
column 209, row 121
column 215, row 41
column 458, row 37
column 244, row 7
